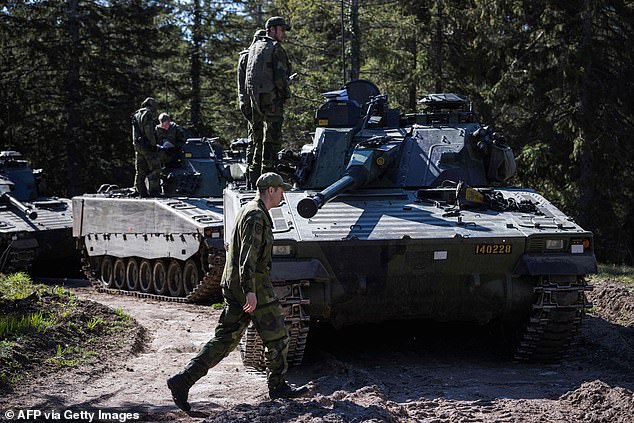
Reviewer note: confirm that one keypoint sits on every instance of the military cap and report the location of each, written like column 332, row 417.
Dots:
column 271, row 179
column 277, row 21
column 150, row 102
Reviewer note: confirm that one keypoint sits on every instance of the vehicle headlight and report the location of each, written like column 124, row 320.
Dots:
column 554, row 244
column 282, row 250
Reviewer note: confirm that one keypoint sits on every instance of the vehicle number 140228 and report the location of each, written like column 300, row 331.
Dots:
column 493, row 249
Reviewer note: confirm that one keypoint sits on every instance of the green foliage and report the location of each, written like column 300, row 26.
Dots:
column 624, row 274
column 16, row 286
column 554, row 77
column 121, row 316
column 94, row 322
column 67, row 356
column 12, row 325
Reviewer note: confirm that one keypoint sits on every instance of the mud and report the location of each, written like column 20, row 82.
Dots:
column 414, row 371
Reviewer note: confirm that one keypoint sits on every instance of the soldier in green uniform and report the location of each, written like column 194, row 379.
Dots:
column 146, row 160
column 244, row 101
column 267, row 85
column 170, row 138
column 249, row 296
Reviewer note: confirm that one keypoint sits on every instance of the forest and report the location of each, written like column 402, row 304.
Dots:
column 554, row 77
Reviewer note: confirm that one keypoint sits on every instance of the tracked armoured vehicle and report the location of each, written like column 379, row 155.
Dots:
column 33, row 227
column 404, row 217
column 167, row 248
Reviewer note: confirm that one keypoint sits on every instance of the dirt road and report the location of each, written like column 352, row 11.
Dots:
column 395, row 372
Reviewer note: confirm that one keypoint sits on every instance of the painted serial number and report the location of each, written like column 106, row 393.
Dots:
column 493, row 249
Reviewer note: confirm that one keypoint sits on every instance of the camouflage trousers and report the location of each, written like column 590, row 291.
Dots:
column 147, row 165
column 266, row 138
column 269, row 322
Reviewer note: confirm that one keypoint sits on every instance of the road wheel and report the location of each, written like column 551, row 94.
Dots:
column 105, row 271
column 159, row 277
column 191, row 276
column 118, row 273
column 175, row 279
column 132, row 275
column 145, row 276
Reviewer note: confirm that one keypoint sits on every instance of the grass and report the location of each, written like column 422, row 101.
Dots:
column 16, row 286
column 624, row 274
column 94, row 322
column 14, row 325
column 47, row 327
column 121, row 316
column 67, row 356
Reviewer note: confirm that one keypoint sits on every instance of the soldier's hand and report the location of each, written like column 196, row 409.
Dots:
column 251, row 304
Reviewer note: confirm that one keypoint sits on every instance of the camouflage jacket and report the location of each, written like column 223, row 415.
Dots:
column 173, row 134
column 249, row 259
column 145, row 124
column 243, row 99
column 267, row 71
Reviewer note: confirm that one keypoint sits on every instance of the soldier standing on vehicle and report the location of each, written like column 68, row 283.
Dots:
column 146, row 160
column 170, row 139
column 244, row 101
column 249, row 296
column 267, row 85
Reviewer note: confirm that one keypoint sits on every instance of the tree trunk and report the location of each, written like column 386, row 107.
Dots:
column 355, row 41
column 586, row 132
column 437, row 43
column 196, row 67
column 72, row 87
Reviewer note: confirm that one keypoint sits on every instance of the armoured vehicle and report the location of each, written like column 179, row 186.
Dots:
column 403, row 217
column 32, row 226
column 169, row 247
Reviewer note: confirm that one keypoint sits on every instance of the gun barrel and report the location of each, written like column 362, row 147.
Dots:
column 308, row 207
column 30, row 213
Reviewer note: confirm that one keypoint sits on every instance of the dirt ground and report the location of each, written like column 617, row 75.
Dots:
column 397, row 372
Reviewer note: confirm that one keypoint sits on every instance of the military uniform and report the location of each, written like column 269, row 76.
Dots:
column 173, row 135
column 244, row 102
column 247, row 270
column 267, row 85
column 146, row 159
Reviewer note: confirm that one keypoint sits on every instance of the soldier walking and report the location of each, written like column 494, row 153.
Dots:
column 249, row 296
column 267, row 85
column 146, row 159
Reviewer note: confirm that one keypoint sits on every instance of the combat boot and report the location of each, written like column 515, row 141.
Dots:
column 179, row 386
column 287, row 391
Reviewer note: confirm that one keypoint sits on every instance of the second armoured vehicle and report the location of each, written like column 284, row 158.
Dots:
column 403, row 217
column 168, row 248
column 32, row 226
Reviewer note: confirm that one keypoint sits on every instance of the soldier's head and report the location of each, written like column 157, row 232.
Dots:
column 271, row 188
column 165, row 120
column 259, row 33
column 276, row 28
column 150, row 103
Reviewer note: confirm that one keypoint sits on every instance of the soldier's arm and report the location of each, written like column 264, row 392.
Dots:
column 252, row 233
column 180, row 136
column 148, row 128
column 282, row 70
column 242, row 72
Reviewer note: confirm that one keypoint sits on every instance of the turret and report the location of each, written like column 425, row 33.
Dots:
column 370, row 159
column 444, row 144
